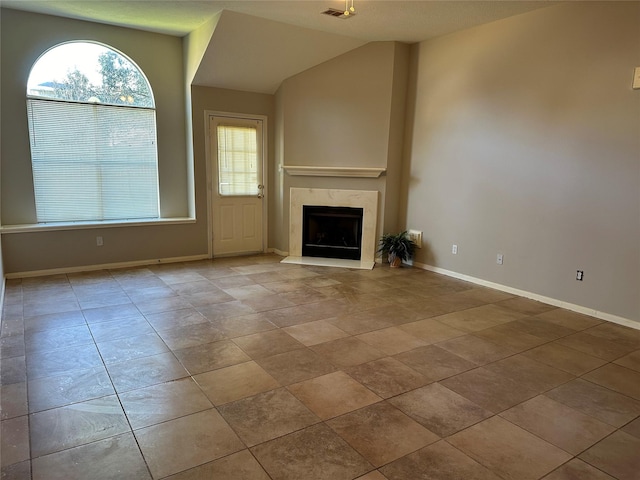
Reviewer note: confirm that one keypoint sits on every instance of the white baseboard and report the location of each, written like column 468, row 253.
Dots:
column 534, row 296
column 105, row 266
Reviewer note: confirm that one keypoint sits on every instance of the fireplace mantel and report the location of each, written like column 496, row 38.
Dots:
column 314, row 171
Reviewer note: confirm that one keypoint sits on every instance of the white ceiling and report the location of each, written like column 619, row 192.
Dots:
column 259, row 43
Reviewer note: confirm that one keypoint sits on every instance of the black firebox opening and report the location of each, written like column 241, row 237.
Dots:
column 332, row 232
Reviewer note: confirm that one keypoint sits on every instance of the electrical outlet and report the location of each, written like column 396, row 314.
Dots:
column 580, row 275
column 99, row 242
column 454, row 249
column 499, row 259
column 416, row 237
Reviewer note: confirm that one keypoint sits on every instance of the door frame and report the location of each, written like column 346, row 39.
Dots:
column 209, row 116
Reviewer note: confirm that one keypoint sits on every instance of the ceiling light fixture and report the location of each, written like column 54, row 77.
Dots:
column 349, row 10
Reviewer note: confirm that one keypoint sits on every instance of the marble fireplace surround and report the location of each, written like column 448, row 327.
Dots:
column 367, row 200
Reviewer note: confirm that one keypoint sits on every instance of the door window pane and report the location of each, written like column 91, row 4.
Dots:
column 237, row 160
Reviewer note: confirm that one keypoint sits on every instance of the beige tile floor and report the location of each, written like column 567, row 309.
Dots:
column 248, row 369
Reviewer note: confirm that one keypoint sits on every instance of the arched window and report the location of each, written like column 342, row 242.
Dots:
column 92, row 130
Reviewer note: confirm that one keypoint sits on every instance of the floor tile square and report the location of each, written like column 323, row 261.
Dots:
column 374, row 319
column 313, row 333
column 526, row 306
column 265, row 303
column 631, row 361
column 435, row 363
column 619, row 379
column 114, row 458
column 599, row 402
column 210, row 356
column 387, row 377
column 565, row 358
column 479, row 318
column 529, row 374
column 145, row 371
column 111, row 313
column 476, row 349
column 266, row 416
column 13, row 370
column 13, row 400
column 243, row 325
column 175, row 319
column 333, row 394
column 191, row 335
column 116, row 329
column 17, row 471
column 219, row 311
column 315, row 452
column 237, row 466
column 576, row 469
column 629, row 337
column 391, row 341
column 14, row 440
column 438, row 461
column 617, row 455
column 430, row 330
column 490, row 390
column 633, row 428
column 125, row 349
column 59, row 362
column 512, row 335
column 567, row 318
column 558, row 424
column 76, row 424
column 382, row 433
column 542, row 328
column 72, row 387
column 596, row 346
column 296, row 366
column 439, row 409
column 235, row 382
column 164, row 401
column 186, row 442
column 347, row 352
column 266, row 344
column 508, row 450
column 56, row 339
column 53, row 321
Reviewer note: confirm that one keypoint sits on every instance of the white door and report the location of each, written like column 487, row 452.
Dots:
column 236, row 146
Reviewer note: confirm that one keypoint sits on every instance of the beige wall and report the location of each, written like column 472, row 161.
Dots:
column 340, row 113
column 525, row 141
column 24, row 37
column 229, row 101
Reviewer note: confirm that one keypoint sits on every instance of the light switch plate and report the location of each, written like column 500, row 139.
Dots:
column 636, row 78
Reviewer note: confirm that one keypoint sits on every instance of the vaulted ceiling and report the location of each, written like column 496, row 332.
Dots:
column 256, row 44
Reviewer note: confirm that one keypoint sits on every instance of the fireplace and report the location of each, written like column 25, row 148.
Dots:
column 331, row 232
column 363, row 200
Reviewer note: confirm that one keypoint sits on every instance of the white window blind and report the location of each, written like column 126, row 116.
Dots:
column 93, row 162
column 237, row 160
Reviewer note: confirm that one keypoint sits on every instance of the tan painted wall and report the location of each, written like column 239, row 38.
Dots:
column 525, row 141
column 229, row 101
column 339, row 113
column 24, row 37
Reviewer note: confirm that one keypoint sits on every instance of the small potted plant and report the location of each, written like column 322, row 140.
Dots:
column 399, row 247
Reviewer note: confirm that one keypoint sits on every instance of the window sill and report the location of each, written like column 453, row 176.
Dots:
column 44, row 227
